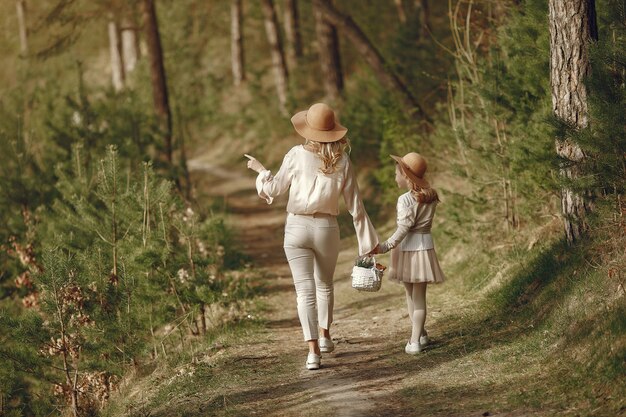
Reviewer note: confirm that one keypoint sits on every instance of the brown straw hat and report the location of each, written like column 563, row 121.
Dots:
column 319, row 124
column 413, row 165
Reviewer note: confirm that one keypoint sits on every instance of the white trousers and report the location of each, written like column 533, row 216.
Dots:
column 312, row 246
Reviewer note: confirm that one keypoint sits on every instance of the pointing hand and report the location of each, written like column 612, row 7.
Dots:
column 253, row 164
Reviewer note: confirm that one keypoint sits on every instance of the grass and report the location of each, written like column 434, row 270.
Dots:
column 186, row 381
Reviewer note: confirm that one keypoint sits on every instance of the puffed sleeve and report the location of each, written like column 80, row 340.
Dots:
column 269, row 186
column 365, row 232
column 405, row 218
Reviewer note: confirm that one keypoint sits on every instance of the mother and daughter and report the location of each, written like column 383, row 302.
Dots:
column 317, row 174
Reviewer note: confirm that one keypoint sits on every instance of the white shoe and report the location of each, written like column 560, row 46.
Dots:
column 326, row 345
column 313, row 361
column 424, row 340
column 413, row 348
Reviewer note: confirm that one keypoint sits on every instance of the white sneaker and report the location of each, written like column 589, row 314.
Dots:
column 424, row 340
column 326, row 345
column 413, row 348
column 313, row 361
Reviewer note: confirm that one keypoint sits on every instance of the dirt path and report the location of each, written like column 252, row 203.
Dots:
column 349, row 382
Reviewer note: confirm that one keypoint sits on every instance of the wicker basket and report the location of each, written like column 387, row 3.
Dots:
column 366, row 278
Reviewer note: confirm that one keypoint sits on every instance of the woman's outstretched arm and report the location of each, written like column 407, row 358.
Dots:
column 270, row 186
column 365, row 232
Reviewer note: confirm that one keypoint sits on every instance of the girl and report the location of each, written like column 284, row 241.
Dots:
column 317, row 174
column 413, row 258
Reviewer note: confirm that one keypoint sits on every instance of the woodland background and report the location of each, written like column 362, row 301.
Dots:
column 114, row 257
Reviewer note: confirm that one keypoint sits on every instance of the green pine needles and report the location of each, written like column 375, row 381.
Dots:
column 122, row 259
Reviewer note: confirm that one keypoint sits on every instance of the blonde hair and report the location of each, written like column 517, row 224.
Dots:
column 424, row 195
column 329, row 152
column 421, row 194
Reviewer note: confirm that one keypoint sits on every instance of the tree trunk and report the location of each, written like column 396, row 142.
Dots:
column 292, row 32
column 276, row 48
column 130, row 53
column 236, row 42
column 21, row 22
column 278, row 57
column 422, row 13
column 115, row 48
column 370, row 54
column 572, row 28
column 157, row 73
column 401, row 12
column 330, row 59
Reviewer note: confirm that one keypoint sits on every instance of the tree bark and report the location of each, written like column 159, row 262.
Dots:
column 130, row 53
column 572, row 28
column 276, row 48
column 115, row 48
column 401, row 12
column 330, row 59
column 236, row 42
column 292, row 32
column 157, row 73
column 21, row 22
column 371, row 55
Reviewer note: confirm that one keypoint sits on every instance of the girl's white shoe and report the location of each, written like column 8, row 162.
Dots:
column 326, row 345
column 413, row 348
column 424, row 340
column 313, row 361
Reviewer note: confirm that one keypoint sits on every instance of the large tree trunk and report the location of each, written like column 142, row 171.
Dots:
column 292, row 32
column 236, row 42
column 21, row 22
column 330, row 59
column 278, row 58
column 370, row 54
column 572, row 27
column 157, row 73
column 130, row 50
column 115, row 49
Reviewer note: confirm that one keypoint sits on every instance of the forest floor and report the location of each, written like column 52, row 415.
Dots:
column 469, row 369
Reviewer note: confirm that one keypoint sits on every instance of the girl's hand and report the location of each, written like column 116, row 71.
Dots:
column 375, row 251
column 253, row 164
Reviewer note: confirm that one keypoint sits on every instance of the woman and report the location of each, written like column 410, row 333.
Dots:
column 316, row 174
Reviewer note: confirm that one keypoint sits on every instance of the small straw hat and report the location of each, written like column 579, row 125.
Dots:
column 413, row 165
column 319, row 124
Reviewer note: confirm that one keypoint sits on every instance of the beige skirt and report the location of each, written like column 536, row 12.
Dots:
column 415, row 266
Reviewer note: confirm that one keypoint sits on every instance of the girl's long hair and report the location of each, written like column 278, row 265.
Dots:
column 421, row 194
column 330, row 153
column 424, row 195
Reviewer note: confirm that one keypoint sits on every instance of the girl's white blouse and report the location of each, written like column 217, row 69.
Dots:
column 313, row 192
column 414, row 221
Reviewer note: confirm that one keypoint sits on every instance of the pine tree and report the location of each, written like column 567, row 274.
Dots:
column 236, row 42
column 573, row 27
column 22, row 366
column 108, row 249
column 279, row 64
column 604, row 143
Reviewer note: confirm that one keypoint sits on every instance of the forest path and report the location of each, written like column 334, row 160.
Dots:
column 339, row 388
column 468, row 369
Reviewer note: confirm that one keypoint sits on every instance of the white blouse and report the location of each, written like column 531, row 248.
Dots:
column 311, row 191
column 415, row 221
